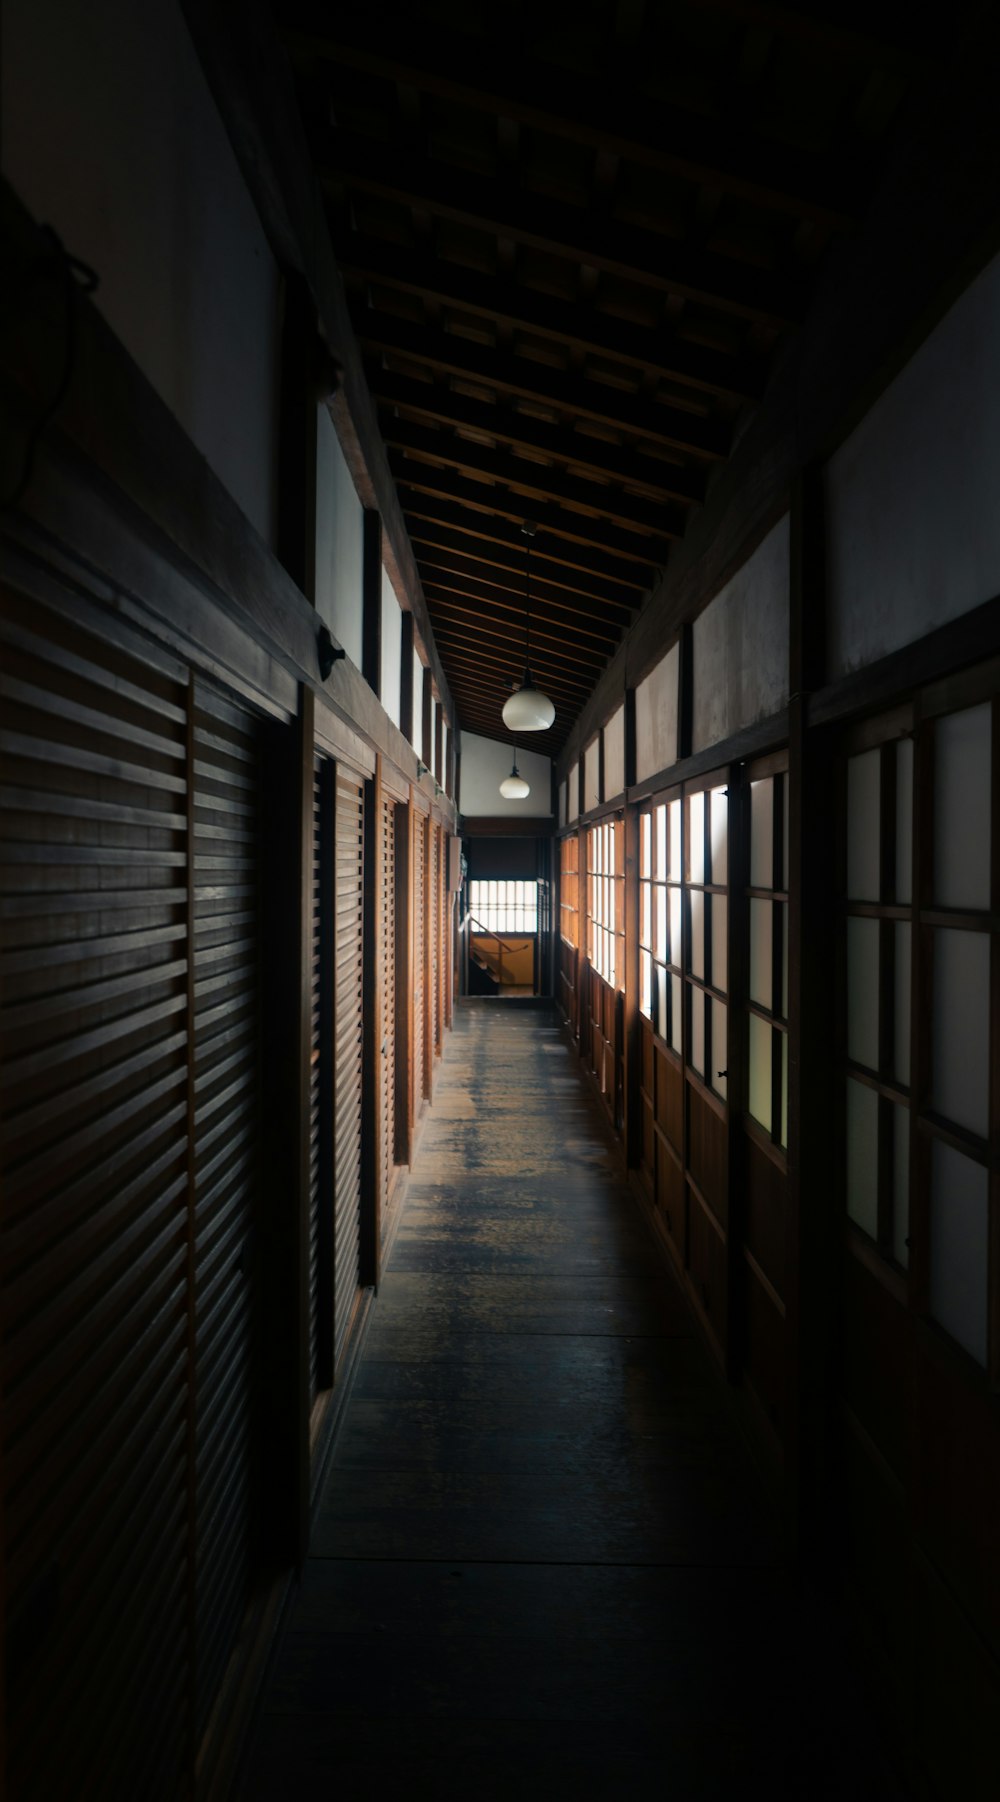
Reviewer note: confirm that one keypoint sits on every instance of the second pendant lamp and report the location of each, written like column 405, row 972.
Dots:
column 528, row 709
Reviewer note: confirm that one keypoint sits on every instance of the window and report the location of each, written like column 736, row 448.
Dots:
column 767, row 907
column 706, row 851
column 569, row 925
column 660, row 873
column 606, row 915
column 503, row 906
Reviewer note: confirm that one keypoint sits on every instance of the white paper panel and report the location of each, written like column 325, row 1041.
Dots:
column 675, row 810
column 696, row 837
column 592, row 796
column 958, row 1249
column 863, row 823
column 645, row 983
column 719, row 1051
column 614, row 755
column 901, row 1028
column 961, row 1043
column 760, row 1071
column 720, row 956
column 645, row 914
column 676, row 1003
column 784, row 1089
column 901, row 1185
column 656, row 717
column 762, row 833
column 962, row 808
column 761, row 953
column 862, row 992
column 782, row 907
column 674, row 922
column 862, row 1156
column 416, row 736
column 718, row 826
column 661, row 925
column 391, row 649
column 904, row 821
column 645, row 844
column 697, row 960
column 697, row 1047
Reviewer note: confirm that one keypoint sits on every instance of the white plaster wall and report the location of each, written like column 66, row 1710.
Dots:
column 418, row 704
column 614, row 755
column 392, row 646
column 741, row 646
column 444, row 754
column 911, row 495
column 108, row 133
column 485, row 763
column 656, row 717
column 340, row 527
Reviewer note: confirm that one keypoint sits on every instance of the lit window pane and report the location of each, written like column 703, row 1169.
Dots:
column 762, row 833
column 719, row 1050
column 662, row 947
column 697, row 905
column 961, row 1028
column 862, row 1157
column 675, row 926
column 697, row 1049
column 958, row 1247
column 661, row 840
column 784, row 1090
column 904, row 821
column 901, row 1024
column 676, row 1002
column 645, row 845
column 645, row 913
column 760, row 953
column 696, row 837
column 676, row 868
column 645, row 983
column 962, row 751
column 720, row 958
column 760, row 1071
column 718, row 829
column 862, row 992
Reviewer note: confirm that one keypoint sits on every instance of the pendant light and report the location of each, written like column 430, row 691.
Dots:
column 514, row 787
column 527, row 709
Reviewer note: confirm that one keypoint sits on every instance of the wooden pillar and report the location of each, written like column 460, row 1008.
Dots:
column 371, row 591
column 814, row 1246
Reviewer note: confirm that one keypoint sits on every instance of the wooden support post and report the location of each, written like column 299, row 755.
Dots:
column 371, row 619
column 814, row 1246
column 425, row 720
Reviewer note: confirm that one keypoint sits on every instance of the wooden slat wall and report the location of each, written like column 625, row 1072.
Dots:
column 227, row 1104
column 387, row 1004
column 419, row 959
column 348, row 1041
column 95, row 1233
column 315, row 1059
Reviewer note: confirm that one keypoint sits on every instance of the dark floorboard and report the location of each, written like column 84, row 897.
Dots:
column 543, row 1564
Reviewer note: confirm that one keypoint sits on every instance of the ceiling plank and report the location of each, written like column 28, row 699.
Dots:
column 442, row 550
column 570, row 391
column 505, row 637
column 650, row 259
column 556, row 526
column 660, row 350
column 631, row 512
column 434, row 400
column 497, row 540
column 453, row 597
column 591, row 110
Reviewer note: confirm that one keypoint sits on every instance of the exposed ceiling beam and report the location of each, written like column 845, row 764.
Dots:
column 568, row 391
column 499, row 541
column 478, row 660
column 436, row 548
column 505, row 635
column 595, row 111
column 579, row 451
column 632, row 512
column 557, row 526
column 457, row 593
column 650, row 259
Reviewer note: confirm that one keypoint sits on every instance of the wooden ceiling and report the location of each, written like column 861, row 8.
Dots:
column 572, row 234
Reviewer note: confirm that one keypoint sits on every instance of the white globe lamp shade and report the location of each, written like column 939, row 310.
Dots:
column 514, row 787
column 527, row 709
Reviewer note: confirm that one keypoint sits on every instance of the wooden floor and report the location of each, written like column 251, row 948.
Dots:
column 543, row 1565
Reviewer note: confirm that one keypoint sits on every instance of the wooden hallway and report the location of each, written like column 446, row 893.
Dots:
column 543, row 1564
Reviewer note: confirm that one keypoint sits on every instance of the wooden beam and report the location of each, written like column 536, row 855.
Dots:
column 656, row 349
column 497, row 629
column 609, row 616
column 659, row 479
column 590, row 110
column 558, row 526
column 541, row 481
column 482, row 653
column 477, row 533
column 568, row 390
column 397, row 173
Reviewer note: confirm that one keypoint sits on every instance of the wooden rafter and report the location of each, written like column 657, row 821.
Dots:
column 492, row 538
column 442, row 550
column 576, row 531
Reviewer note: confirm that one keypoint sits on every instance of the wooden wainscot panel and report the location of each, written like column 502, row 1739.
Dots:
column 877, row 1362
column 766, row 1222
column 707, row 1270
column 670, row 1099
column 707, row 1147
column 766, row 1365
column 670, row 1200
column 958, row 1696
column 956, row 1480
